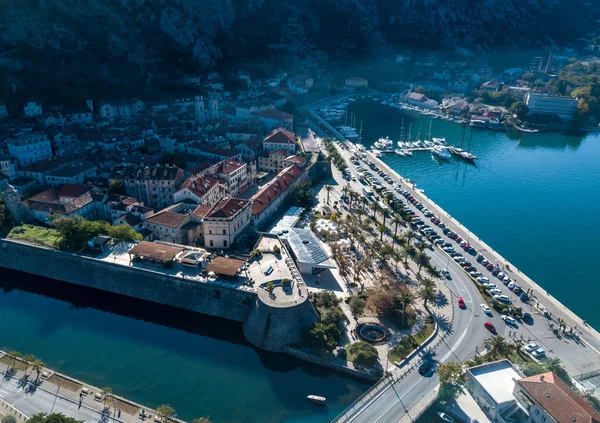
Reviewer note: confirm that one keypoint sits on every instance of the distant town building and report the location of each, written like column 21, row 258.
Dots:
column 7, row 167
column 155, row 186
column 271, row 119
column 280, row 139
column 32, row 109
column 225, row 221
column 177, row 224
column 72, row 173
column 272, row 161
column 562, row 106
column 199, row 189
column 356, row 82
column 124, row 109
column 234, row 175
column 421, row 101
column 29, row 148
column 300, row 84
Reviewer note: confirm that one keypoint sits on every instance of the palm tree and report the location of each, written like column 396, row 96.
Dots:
column 396, row 221
column 498, row 345
column 384, row 214
column 202, row 420
column 328, row 188
column 14, row 355
column 428, row 282
column 410, row 235
column 28, row 359
column 375, row 207
column 433, row 272
column 427, row 294
column 477, row 360
column 407, row 299
column 553, row 364
column 166, row 412
column 382, row 230
column 386, row 252
column 105, row 392
column 421, row 259
column 37, row 365
column 403, row 256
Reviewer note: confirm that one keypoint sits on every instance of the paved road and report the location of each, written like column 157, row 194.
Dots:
column 464, row 333
column 42, row 401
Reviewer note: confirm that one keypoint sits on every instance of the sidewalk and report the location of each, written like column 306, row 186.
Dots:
column 57, row 393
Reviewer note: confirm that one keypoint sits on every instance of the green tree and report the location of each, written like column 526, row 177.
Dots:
column 497, row 345
column 28, row 359
column 420, row 90
column 362, row 353
column 477, row 360
column 519, row 109
column 106, row 392
column 9, row 418
column 37, row 366
column 421, row 259
column 301, row 194
column 5, row 216
column 427, row 294
column 14, row 355
column 201, row 420
column 124, row 232
column 357, row 306
column 406, row 297
column 450, row 372
column 166, row 412
column 323, row 336
column 52, row 418
column 382, row 230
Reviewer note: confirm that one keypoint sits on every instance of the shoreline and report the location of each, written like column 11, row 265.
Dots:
column 540, row 294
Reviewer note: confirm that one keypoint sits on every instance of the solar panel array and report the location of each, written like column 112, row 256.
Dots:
column 306, row 246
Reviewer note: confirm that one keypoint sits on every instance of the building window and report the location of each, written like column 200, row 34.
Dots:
column 211, row 243
column 537, row 411
column 544, row 418
column 224, row 232
column 224, row 243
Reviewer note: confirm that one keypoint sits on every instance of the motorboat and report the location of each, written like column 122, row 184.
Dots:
column 322, row 400
column 445, row 417
column 407, row 152
column 439, row 141
column 465, row 155
column 384, row 143
column 400, row 152
column 441, row 152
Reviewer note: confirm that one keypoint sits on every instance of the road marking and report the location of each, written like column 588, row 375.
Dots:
column 396, row 401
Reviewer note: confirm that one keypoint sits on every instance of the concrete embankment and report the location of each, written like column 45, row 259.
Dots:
column 540, row 294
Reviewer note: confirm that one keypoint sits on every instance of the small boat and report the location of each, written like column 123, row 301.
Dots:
column 441, row 152
column 319, row 400
column 400, row 152
column 407, row 153
column 445, row 417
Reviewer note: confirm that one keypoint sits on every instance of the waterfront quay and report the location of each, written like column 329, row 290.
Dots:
column 579, row 355
column 23, row 394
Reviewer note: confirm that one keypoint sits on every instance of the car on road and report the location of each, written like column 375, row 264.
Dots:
column 526, row 317
column 461, row 302
column 446, row 274
column 354, row 178
column 539, row 354
column 425, row 368
column 486, row 309
column 509, row 320
column 531, row 347
column 489, row 326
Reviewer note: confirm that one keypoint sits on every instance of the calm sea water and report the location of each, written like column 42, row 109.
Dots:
column 156, row 355
column 533, row 198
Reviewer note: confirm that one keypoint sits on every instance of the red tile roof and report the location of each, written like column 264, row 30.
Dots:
column 198, row 185
column 202, row 211
column 273, row 189
column 558, row 399
column 273, row 114
column 227, row 166
column 299, row 160
column 280, row 136
column 167, row 218
column 227, row 208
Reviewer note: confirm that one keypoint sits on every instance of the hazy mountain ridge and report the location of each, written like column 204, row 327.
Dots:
column 142, row 31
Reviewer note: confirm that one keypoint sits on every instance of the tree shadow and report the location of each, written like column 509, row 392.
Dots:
column 32, row 386
column 440, row 299
column 23, row 382
column 10, row 373
column 444, row 324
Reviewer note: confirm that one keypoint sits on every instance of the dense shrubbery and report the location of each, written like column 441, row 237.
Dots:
column 76, row 231
column 326, row 334
column 362, row 353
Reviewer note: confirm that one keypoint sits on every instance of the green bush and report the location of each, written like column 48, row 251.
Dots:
column 323, row 336
column 357, row 306
column 362, row 353
column 276, row 250
column 286, row 282
column 9, row 419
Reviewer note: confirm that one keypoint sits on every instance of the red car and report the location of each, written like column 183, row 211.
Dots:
column 490, row 327
column 458, row 239
column 490, row 266
column 461, row 302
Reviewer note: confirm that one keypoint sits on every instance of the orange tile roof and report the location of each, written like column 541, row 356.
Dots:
column 558, row 399
column 273, row 189
column 280, row 136
column 226, row 208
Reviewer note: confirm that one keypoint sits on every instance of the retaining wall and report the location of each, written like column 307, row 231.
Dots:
column 144, row 284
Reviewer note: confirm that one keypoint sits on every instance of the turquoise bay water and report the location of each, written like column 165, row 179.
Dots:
column 532, row 197
column 156, row 355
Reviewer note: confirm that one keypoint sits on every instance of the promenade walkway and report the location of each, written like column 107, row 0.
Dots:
column 23, row 396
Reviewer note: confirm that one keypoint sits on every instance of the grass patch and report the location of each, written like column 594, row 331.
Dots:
column 65, row 383
column 17, row 364
column 36, row 235
column 408, row 345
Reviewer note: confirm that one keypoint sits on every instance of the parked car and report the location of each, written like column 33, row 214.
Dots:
column 495, row 291
column 483, row 279
column 509, row 320
column 539, row 354
column 531, row 347
column 502, row 298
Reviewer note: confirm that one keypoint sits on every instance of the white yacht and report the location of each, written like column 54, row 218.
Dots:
column 384, row 143
column 400, row 152
column 439, row 141
column 407, row 153
column 441, row 152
